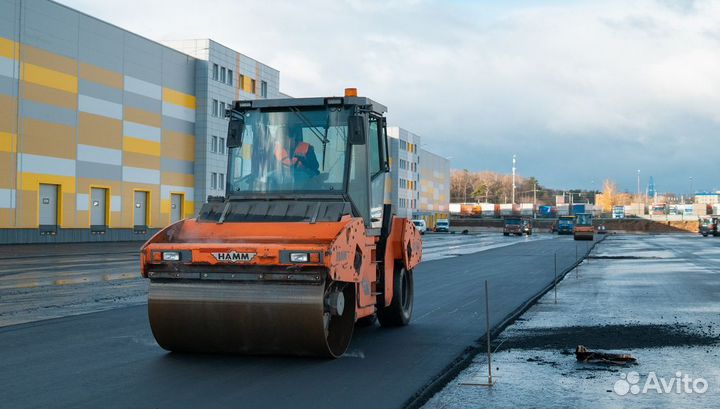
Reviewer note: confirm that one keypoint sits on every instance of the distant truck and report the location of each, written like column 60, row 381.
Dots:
column 442, row 225
column 420, row 225
column 618, row 212
column 563, row 209
column 659, row 209
column 583, row 228
column 706, row 227
column 578, row 208
column 517, row 225
column 546, row 211
column 565, row 224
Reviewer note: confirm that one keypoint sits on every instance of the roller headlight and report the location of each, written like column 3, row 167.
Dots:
column 299, row 257
column 171, row 256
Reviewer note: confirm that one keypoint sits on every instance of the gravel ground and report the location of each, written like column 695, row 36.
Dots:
column 654, row 297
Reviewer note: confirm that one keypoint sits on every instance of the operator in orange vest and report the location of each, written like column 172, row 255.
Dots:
column 302, row 159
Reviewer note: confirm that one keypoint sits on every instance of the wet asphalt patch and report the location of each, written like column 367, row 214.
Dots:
column 625, row 257
column 613, row 337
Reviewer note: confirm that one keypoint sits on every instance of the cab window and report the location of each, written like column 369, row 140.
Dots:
column 374, row 145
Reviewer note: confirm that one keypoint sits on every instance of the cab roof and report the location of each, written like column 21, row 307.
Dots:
column 365, row 102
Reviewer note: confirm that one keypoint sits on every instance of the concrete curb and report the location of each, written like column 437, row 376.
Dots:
column 82, row 279
column 465, row 358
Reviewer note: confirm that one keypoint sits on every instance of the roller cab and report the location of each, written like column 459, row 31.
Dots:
column 583, row 227
column 303, row 245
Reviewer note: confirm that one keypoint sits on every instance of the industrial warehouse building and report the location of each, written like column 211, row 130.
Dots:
column 107, row 135
column 420, row 179
column 104, row 134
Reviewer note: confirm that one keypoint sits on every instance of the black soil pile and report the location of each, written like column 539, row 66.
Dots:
column 616, row 337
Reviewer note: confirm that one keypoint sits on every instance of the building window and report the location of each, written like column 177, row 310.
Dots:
column 263, row 89
column 241, row 81
column 230, row 77
column 213, row 180
column 222, row 74
column 214, row 144
column 252, row 86
column 221, row 146
column 214, row 111
column 222, row 110
column 215, row 72
column 221, row 181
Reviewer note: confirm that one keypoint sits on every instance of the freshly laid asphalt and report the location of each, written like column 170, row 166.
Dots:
column 110, row 359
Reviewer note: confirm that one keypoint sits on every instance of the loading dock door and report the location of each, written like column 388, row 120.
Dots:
column 140, row 215
column 48, row 207
column 176, row 203
column 98, row 209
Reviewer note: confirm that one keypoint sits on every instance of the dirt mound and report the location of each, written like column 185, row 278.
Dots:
column 611, row 337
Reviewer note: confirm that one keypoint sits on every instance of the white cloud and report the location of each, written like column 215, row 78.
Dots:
column 480, row 80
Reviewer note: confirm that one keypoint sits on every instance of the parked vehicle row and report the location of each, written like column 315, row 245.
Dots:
column 441, row 226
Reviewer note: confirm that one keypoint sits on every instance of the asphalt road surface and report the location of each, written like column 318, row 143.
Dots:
column 39, row 282
column 109, row 359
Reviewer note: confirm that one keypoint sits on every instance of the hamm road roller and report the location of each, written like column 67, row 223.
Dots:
column 303, row 246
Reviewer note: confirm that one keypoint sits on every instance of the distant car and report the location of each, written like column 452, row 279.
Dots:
column 601, row 229
column 704, row 226
column 527, row 226
column 420, row 225
column 517, row 225
column 713, row 226
column 442, row 225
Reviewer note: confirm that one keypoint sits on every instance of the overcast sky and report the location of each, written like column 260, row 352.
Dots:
column 580, row 91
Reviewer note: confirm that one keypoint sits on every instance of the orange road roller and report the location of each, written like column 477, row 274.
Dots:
column 583, row 228
column 303, row 246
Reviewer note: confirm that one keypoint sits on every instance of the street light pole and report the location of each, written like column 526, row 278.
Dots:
column 513, row 180
column 638, row 184
column 692, row 194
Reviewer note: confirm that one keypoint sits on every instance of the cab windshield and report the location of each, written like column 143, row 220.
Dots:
column 583, row 220
column 290, row 150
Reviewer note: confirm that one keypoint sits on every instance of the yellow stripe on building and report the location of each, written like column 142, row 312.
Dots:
column 49, row 78
column 137, row 145
column 31, row 182
column 8, row 142
column 177, row 179
column 247, row 84
column 178, row 98
column 188, row 208
column 101, row 76
column 9, row 49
